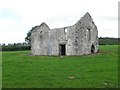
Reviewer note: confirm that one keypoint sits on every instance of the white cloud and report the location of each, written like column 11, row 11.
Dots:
column 56, row 13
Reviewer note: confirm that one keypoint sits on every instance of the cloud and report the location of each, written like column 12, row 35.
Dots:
column 110, row 18
column 8, row 14
column 19, row 16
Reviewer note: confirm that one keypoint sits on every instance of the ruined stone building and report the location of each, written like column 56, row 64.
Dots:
column 78, row 39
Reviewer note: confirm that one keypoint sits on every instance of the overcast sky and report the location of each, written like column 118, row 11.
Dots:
column 17, row 17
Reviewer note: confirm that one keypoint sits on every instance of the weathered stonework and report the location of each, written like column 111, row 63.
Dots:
column 79, row 39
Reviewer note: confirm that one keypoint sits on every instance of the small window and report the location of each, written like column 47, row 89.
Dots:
column 88, row 34
column 65, row 30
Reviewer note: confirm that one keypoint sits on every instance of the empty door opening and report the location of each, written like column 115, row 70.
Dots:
column 92, row 49
column 62, row 49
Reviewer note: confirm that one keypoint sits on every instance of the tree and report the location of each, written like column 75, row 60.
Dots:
column 28, row 38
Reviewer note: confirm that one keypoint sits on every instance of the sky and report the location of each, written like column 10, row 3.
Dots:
column 17, row 17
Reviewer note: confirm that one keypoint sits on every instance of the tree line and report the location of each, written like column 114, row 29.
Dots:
column 15, row 47
column 109, row 41
column 26, row 46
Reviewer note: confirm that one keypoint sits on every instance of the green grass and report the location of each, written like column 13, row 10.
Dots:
column 93, row 71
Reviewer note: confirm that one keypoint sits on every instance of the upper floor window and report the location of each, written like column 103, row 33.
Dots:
column 88, row 33
column 65, row 30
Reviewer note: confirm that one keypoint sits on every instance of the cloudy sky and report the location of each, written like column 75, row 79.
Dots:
column 17, row 17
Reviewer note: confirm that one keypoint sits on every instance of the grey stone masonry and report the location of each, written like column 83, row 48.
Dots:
column 79, row 39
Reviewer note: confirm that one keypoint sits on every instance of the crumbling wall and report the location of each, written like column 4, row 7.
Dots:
column 87, row 36
column 39, row 40
column 79, row 39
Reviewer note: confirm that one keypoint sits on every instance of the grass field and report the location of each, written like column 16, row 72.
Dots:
column 93, row 71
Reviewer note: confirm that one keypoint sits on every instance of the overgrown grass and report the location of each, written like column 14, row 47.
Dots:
column 93, row 71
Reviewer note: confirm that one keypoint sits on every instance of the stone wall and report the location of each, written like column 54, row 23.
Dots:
column 78, row 39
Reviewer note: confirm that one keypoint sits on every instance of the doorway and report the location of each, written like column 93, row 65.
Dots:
column 92, row 48
column 62, row 49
